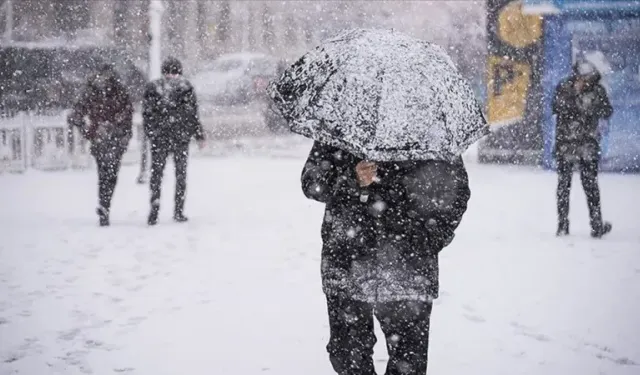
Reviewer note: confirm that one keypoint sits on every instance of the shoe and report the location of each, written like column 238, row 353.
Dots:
column 103, row 216
column 153, row 215
column 604, row 229
column 563, row 230
column 180, row 218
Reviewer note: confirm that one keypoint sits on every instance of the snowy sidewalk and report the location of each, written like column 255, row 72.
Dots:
column 236, row 291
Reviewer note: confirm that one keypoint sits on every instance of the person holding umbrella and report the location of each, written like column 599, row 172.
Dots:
column 389, row 116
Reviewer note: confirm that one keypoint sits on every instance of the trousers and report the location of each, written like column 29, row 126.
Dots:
column 159, row 154
column 108, row 156
column 589, row 177
column 406, row 329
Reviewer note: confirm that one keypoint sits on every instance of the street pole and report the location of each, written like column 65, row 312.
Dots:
column 8, row 28
column 156, row 9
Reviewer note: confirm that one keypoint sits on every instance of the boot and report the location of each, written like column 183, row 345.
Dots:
column 153, row 215
column 563, row 228
column 601, row 230
column 103, row 216
column 178, row 217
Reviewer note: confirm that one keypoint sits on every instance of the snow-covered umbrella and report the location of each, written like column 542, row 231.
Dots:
column 381, row 95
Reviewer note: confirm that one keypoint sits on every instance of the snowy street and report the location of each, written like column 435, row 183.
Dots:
column 236, row 290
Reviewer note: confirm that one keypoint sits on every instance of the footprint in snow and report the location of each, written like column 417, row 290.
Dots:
column 135, row 288
column 518, row 325
column 526, row 332
column 536, row 336
column 468, row 308
column 622, row 361
column 135, row 320
column 13, row 358
column 601, row 348
column 90, row 344
column 115, row 300
column 475, row 318
column 608, row 354
column 69, row 334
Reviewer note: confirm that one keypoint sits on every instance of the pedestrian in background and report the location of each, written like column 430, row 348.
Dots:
column 579, row 104
column 104, row 115
column 170, row 116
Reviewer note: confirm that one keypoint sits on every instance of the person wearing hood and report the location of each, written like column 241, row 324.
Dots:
column 106, row 103
column 579, row 104
column 170, row 117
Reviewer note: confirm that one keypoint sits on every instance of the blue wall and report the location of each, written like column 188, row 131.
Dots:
column 617, row 35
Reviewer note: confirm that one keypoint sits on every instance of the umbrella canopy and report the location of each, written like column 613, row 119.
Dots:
column 381, row 95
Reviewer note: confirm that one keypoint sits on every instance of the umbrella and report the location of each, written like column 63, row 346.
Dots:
column 381, row 95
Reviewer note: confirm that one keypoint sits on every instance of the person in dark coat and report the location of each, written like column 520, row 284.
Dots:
column 107, row 105
column 170, row 115
column 383, row 228
column 579, row 104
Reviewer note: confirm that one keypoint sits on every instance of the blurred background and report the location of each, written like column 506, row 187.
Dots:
column 513, row 52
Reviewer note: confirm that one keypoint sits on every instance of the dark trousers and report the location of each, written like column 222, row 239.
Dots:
column 159, row 154
column 108, row 156
column 406, row 329
column 589, row 178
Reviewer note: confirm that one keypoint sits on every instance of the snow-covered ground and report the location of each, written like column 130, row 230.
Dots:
column 236, row 290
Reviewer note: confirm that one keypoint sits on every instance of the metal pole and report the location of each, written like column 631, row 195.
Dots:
column 8, row 29
column 156, row 9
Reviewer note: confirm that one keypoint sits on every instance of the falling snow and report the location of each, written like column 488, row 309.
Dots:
column 237, row 289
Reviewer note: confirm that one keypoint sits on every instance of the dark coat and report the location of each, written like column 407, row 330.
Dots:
column 381, row 243
column 578, row 115
column 107, row 104
column 170, row 111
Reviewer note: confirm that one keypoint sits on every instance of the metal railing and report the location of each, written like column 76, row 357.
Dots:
column 45, row 142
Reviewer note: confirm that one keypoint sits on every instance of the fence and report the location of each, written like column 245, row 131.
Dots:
column 45, row 142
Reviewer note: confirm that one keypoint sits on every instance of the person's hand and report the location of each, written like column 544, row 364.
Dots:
column 366, row 173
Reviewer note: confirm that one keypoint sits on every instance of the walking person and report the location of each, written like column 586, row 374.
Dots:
column 170, row 116
column 107, row 105
column 390, row 117
column 579, row 104
column 380, row 254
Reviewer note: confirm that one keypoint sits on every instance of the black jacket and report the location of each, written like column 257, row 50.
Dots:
column 381, row 243
column 170, row 111
column 107, row 105
column 578, row 115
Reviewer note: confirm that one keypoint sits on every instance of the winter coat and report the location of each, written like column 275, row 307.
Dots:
column 381, row 243
column 578, row 115
column 107, row 104
column 170, row 111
